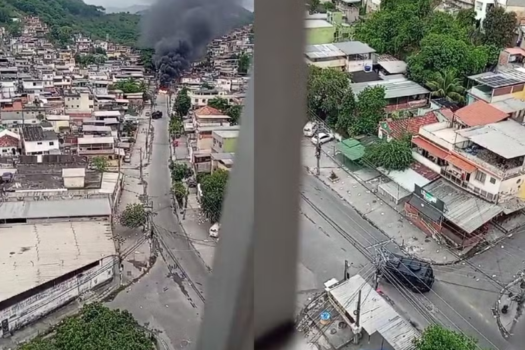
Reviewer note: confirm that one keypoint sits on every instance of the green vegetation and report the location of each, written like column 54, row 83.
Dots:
column 129, row 86
column 180, row 191
column 134, row 216
column 85, row 60
column 182, row 103
column 66, row 17
column 330, row 98
column 180, row 171
column 393, row 155
column 317, row 7
column 447, row 85
column 438, row 338
column 96, row 327
column 244, row 63
column 146, row 59
column 176, row 128
column 232, row 111
column 434, row 41
column 100, row 163
column 213, row 190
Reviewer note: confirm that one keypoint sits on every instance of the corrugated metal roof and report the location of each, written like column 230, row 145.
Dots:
column 34, row 254
column 463, row 209
column 55, row 209
column 354, row 47
column 323, row 51
column 393, row 88
column 509, row 105
column 503, row 138
column 377, row 315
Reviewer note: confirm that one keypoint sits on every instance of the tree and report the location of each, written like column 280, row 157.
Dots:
column 370, row 107
column 314, row 5
column 447, row 84
column 146, row 59
column 327, row 6
column 439, row 338
column 441, row 53
column 219, row 103
column 176, row 126
column 498, row 27
column 206, row 85
column 100, row 51
column 129, row 128
column 180, row 191
column 95, row 327
column 243, row 63
column 180, row 171
column 134, row 216
column 326, row 90
column 182, row 103
column 100, row 164
column 213, row 190
column 40, row 116
column 234, row 112
column 393, row 155
column 129, row 86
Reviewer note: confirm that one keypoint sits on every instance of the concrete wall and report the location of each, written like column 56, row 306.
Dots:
column 38, row 305
column 229, row 145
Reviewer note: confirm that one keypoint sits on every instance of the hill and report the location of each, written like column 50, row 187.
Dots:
column 136, row 9
column 66, row 17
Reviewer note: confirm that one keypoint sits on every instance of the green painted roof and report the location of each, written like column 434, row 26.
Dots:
column 351, row 149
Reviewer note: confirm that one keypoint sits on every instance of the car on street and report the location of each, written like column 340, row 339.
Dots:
column 148, row 114
column 214, row 230
column 309, row 129
column 156, row 115
column 322, row 138
column 127, row 158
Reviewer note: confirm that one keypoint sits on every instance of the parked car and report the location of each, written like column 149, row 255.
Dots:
column 127, row 158
column 309, row 129
column 214, row 230
column 322, row 138
column 156, row 115
column 148, row 113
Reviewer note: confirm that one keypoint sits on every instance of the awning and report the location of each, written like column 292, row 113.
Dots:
column 351, row 149
column 460, row 163
column 430, row 148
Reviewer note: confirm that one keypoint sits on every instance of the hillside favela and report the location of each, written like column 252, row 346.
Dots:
column 119, row 129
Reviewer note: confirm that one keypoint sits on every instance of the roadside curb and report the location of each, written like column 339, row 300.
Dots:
column 364, row 216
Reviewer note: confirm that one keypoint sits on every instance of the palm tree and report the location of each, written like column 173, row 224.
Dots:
column 446, row 84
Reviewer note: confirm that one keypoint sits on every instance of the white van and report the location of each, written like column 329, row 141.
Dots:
column 214, row 230
column 309, row 129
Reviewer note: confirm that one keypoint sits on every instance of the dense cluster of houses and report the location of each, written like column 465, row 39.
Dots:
column 212, row 137
column 56, row 116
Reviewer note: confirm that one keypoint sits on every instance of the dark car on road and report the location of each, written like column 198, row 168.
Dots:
column 414, row 274
column 156, row 115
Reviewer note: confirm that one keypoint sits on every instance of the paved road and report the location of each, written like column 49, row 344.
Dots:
column 165, row 299
column 461, row 296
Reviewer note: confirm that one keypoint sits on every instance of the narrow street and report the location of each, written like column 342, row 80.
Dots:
column 165, row 300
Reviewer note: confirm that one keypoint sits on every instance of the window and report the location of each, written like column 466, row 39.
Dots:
column 481, row 177
column 492, row 180
column 479, row 6
column 39, row 143
column 51, row 143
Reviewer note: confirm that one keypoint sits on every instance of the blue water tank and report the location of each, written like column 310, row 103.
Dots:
column 368, row 68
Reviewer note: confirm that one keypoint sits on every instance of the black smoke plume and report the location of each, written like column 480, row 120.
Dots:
column 180, row 30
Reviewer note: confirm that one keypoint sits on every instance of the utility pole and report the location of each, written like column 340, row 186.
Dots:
column 346, row 274
column 318, row 152
column 141, row 175
column 358, row 309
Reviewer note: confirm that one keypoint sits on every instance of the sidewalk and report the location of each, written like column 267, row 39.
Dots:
column 135, row 248
column 195, row 225
column 412, row 240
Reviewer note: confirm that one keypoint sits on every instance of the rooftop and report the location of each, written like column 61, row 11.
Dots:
column 55, row 209
column 227, row 134
column 323, row 51
column 503, row 77
column 31, row 255
column 462, row 208
column 207, row 111
column 397, row 128
column 504, row 138
column 317, row 23
column 480, row 113
column 36, row 133
column 377, row 315
column 354, row 47
column 509, row 105
column 393, row 88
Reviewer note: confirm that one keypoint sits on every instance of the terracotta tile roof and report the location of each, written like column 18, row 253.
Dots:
column 480, row 113
column 396, row 128
column 460, row 163
column 430, row 147
column 447, row 113
column 8, row 141
column 207, row 110
column 424, row 171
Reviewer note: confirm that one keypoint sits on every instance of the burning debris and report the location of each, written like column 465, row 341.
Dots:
column 180, row 30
